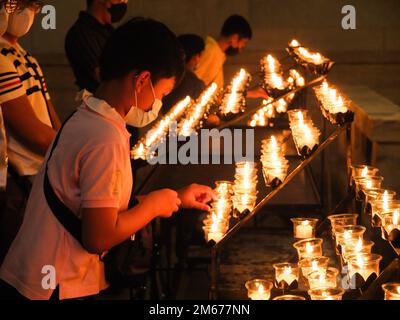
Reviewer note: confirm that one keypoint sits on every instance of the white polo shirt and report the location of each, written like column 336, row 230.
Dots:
column 90, row 168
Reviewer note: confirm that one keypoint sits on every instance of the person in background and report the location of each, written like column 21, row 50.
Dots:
column 30, row 119
column 193, row 46
column 86, row 39
column 3, row 138
column 89, row 170
column 234, row 37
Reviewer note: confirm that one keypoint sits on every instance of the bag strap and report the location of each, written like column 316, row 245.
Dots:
column 64, row 215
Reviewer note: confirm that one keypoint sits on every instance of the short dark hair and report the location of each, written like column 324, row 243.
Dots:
column 89, row 3
column 192, row 45
column 236, row 24
column 142, row 44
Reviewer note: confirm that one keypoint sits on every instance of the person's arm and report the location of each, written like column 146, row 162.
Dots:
column 53, row 116
column 20, row 118
column 196, row 196
column 104, row 228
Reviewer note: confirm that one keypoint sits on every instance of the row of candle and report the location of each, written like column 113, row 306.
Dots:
column 313, row 61
column 333, row 106
column 193, row 118
column 234, row 100
column 268, row 111
column 273, row 80
column 160, row 129
column 245, row 187
column 313, row 268
column 305, row 134
column 216, row 223
column 379, row 202
column 274, row 164
column 305, row 54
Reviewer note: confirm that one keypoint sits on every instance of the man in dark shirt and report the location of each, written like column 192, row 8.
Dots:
column 86, row 39
column 190, row 85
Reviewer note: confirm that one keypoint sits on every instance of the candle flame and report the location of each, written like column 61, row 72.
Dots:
column 359, row 245
column 309, row 248
column 261, row 289
column 314, row 265
column 287, row 270
column 294, row 43
column 396, row 217
column 368, row 184
column 364, row 172
column 305, row 222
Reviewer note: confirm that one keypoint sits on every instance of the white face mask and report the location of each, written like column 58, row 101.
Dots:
column 139, row 118
column 3, row 20
column 20, row 23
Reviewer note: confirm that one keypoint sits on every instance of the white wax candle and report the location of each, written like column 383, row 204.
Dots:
column 304, row 230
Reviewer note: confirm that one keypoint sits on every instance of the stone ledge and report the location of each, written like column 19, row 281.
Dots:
column 376, row 116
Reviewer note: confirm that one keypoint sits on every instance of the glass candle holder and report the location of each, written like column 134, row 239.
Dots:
column 378, row 207
column 376, row 194
column 326, row 294
column 304, row 228
column 347, row 233
column 353, row 247
column 289, row 297
column 286, row 276
column 391, row 290
column 309, row 248
column 367, row 183
column 259, row 289
column 223, row 188
column 309, row 265
column 343, row 219
column 358, row 171
column 391, row 228
column 244, row 203
column 274, row 176
column 214, row 232
column 323, row 278
column 363, row 269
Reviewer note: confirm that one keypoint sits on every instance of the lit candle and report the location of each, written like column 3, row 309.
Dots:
column 391, row 290
column 139, row 152
column 259, row 289
column 286, row 275
column 304, row 228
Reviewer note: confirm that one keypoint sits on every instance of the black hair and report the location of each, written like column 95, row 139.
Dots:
column 236, row 24
column 89, row 3
column 142, row 44
column 192, row 45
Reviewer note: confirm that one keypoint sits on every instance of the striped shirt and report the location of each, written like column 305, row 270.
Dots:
column 20, row 74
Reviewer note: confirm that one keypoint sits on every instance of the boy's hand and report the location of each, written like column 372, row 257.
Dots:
column 162, row 202
column 196, row 196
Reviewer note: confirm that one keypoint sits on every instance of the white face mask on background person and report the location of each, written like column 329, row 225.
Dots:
column 3, row 20
column 139, row 118
column 19, row 23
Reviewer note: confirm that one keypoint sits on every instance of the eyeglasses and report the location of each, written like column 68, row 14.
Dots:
column 12, row 6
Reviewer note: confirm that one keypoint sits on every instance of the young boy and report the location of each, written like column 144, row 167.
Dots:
column 90, row 171
column 234, row 37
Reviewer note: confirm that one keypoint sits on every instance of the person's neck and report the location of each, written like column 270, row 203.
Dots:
column 97, row 13
column 111, row 93
column 10, row 38
column 223, row 43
